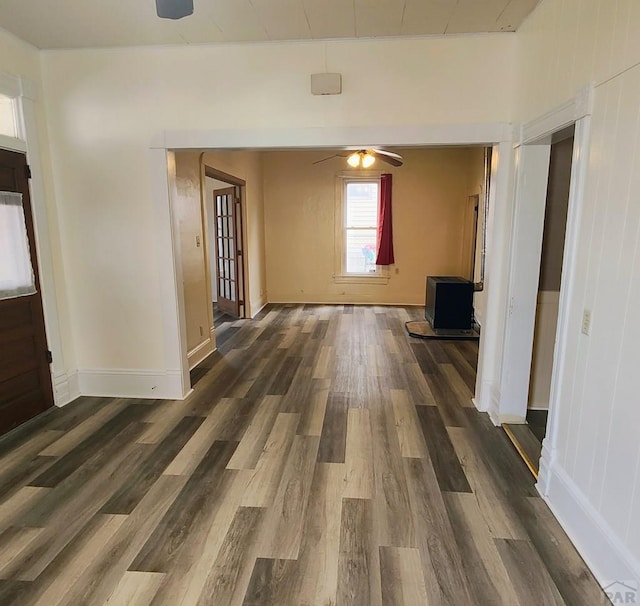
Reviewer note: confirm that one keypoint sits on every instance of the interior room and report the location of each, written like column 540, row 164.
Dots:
column 208, row 393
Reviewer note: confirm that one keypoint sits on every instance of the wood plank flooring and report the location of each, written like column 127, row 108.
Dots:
column 325, row 458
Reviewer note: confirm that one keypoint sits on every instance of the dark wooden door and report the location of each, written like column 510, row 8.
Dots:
column 226, row 237
column 25, row 378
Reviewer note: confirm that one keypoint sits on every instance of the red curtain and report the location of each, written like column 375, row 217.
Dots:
column 385, row 229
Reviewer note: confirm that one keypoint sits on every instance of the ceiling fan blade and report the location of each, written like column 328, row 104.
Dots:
column 174, row 9
column 388, row 157
column 384, row 152
column 329, row 158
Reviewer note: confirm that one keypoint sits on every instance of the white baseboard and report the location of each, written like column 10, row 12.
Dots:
column 74, row 387
column 65, row 388
column 320, row 300
column 494, row 404
column 605, row 554
column 122, row 383
column 482, row 399
column 260, row 308
column 512, row 420
column 199, row 353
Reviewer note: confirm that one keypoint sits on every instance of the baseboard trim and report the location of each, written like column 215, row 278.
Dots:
column 123, row 383
column 199, row 353
column 605, row 554
column 363, row 301
column 494, row 404
column 512, row 420
column 65, row 388
column 255, row 313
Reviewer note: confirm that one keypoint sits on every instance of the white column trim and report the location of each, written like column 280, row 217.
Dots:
column 162, row 168
column 498, row 241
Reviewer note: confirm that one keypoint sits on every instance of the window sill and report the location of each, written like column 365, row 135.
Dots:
column 361, row 279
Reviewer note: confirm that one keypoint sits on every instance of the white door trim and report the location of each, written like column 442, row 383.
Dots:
column 535, row 142
column 495, row 282
column 163, row 180
column 25, row 93
column 579, row 168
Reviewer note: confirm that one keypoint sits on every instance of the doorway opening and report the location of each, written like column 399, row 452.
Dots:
column 208, row 206
column 528, row 437
column 218, row 145
column 225, row 237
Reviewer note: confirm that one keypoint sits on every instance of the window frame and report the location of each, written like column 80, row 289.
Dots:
column 341, row 276
column 15, row 118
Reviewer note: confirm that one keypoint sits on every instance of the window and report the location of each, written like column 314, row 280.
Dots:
column 8, row 124
column 356, row 223
column 360, row 226
column 16, row 272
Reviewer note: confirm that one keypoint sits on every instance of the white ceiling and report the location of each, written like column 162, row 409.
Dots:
column 99, row 23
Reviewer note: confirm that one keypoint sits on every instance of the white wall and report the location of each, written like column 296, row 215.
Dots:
column 565, row 44
column 595, row 471
column 104, row 107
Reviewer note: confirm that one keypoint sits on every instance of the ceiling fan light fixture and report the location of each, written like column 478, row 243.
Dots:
column 354, row 160
column 367, row 160
column 174, row 9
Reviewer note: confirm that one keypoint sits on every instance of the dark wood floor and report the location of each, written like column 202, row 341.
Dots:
column 527, row 438
column 324, row 458
column 537, row 421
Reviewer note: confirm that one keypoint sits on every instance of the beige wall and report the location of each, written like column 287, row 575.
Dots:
column 429, row 199
column 19, row 58
column 188, row 217
column 195, row 244
column 248, row 166
column 544, row 341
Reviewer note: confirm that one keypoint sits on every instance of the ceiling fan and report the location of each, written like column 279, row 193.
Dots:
column 174, row 9
column 365, row 158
